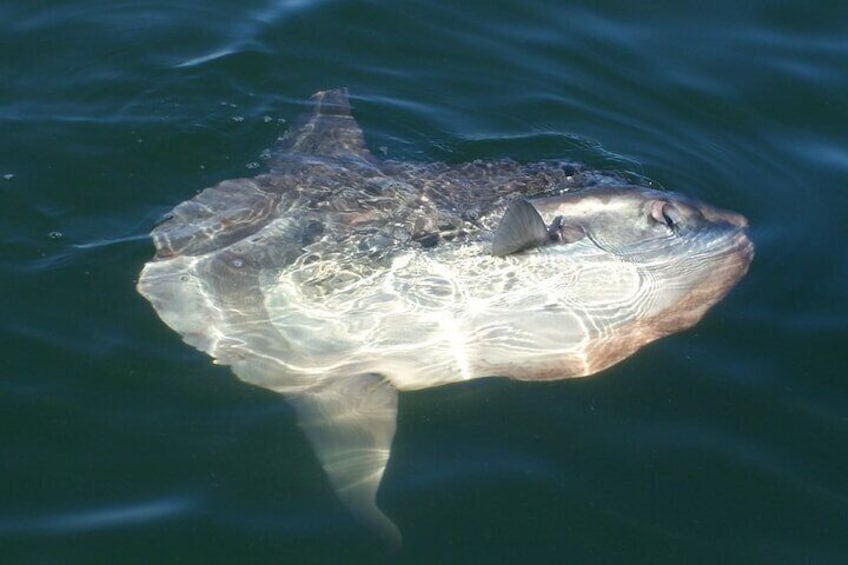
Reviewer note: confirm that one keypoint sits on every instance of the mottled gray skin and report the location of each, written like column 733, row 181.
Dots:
column 337, row 279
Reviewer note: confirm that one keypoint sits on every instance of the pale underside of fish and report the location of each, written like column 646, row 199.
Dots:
column 337, row 280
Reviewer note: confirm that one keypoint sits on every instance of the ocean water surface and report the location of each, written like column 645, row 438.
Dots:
column 727, row 443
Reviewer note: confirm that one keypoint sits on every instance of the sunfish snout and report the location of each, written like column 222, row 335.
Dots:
column 720, row 216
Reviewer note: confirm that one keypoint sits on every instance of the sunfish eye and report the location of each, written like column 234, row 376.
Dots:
column 662, row 212
column 670, row 214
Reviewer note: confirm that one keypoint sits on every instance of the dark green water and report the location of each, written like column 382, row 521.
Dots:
column 725, row 444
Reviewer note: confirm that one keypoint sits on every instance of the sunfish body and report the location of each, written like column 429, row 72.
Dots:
column 337, row 279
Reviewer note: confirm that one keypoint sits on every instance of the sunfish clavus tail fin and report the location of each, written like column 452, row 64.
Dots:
column 350, row 424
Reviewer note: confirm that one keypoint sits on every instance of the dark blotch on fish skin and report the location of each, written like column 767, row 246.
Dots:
column 313, row 230
column 470, row 215
column 427, row 240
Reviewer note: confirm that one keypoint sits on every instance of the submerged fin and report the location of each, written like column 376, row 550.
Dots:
column 327, row 130
column 350, row 424
column 521, row 228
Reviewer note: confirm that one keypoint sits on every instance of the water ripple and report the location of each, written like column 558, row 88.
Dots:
column 85, row 520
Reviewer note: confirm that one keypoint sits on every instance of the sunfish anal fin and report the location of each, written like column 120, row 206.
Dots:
column 520, row 228
column 351, row 423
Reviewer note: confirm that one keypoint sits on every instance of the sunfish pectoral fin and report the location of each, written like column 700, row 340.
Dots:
column 520, row 228
column 350, row 424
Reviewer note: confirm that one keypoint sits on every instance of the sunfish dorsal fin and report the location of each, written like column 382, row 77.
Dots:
column 328, row 129
column 521, row 228
column 350, row 424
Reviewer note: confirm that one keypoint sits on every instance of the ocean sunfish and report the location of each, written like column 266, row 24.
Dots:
column 338, row 279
